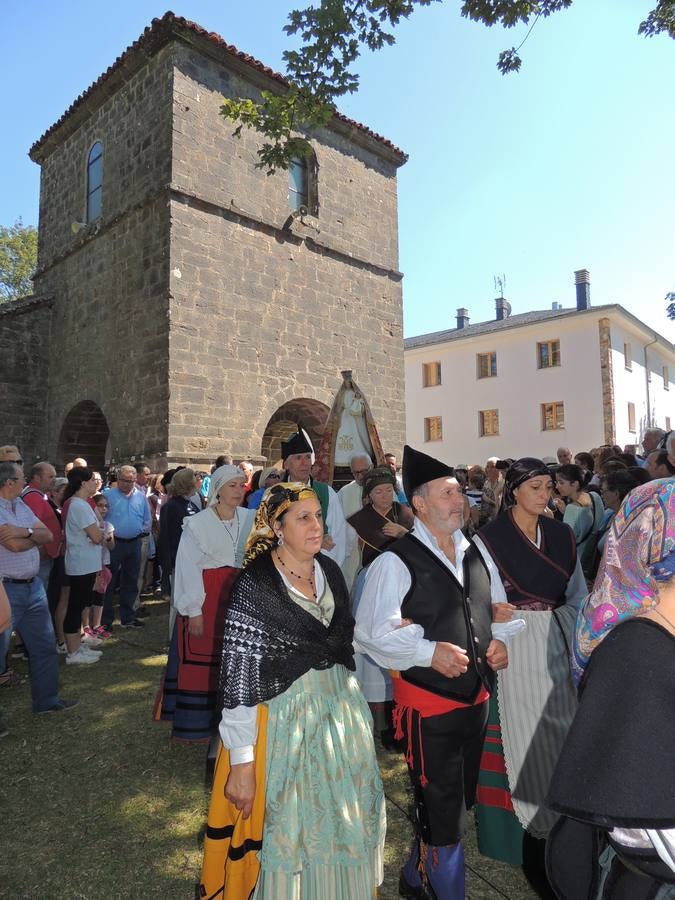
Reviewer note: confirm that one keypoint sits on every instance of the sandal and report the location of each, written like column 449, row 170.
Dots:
column 9, row 678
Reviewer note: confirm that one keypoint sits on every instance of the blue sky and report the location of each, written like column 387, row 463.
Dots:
column 565, row 165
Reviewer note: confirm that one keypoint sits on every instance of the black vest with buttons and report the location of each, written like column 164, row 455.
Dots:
column 448, row 612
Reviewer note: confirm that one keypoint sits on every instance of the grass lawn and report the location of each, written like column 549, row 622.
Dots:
column 98, row 804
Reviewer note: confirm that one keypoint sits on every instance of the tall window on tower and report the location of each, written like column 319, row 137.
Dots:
column 303, row 184
column 95, row 182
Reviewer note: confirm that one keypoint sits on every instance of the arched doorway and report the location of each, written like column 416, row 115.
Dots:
column 310, row 414
column 84, row 433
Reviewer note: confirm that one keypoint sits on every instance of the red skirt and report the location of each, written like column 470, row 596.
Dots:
column 189, row 694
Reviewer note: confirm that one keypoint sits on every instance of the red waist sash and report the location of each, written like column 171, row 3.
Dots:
column 409, row 698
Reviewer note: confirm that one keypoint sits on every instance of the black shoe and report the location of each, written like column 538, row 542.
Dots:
column 135, row 624
column 422, row 892
column 61, row 706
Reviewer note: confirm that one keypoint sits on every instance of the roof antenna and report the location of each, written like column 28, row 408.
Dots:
column 500, row 284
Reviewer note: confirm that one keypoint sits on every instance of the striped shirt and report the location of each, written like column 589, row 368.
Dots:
column 25, row 563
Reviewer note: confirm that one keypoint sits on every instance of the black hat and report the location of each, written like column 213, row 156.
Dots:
column 418, row 468
column 167, row 477
column 297, row 443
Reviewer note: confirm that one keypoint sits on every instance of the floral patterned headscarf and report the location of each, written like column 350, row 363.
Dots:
column 639, row 553
column 275, row 501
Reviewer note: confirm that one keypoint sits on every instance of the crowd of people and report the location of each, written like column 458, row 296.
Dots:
column 470, row 617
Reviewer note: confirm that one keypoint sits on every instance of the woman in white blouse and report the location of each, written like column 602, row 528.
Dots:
column 210, row 554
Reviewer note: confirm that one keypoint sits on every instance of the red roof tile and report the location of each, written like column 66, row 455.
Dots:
column 159, row 33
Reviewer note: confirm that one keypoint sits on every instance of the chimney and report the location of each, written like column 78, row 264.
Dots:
column 582, row 280
column 502, row 309
column 462, row 317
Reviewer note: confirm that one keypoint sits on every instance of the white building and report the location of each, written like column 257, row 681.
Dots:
column 526, row 384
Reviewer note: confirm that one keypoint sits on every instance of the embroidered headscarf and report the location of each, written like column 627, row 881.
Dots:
column 518, row 473
column 639, row 552
column 220, row 477
column 275, row 501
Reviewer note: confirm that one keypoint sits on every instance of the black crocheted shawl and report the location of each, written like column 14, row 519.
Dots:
column 270, row 641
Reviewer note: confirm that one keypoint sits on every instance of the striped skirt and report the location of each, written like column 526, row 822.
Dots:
column 189, row 691
column 500, row 834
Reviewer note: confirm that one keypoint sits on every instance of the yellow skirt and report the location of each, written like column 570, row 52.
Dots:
column 230, row 868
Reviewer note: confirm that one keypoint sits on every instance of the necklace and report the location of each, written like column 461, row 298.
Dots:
column 228, row 530
column 309, row 581
column 665, row 618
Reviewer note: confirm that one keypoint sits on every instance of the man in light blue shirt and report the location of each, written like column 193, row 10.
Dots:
column 129, row 514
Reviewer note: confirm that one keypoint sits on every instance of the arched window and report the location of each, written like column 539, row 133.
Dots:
column 303, row 184
column 94, row 182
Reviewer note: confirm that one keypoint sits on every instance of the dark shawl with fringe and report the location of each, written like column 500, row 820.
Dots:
column 270, row 641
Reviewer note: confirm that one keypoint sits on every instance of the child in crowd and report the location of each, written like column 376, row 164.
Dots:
column 91, row 617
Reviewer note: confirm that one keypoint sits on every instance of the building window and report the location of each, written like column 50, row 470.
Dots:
column 548, row 354
column 666, row 379
column 486, row 365
column 95, row 182
column 303, row 190
column 488, row 420
column 433, row 428
column 431, row 374
column 627, row 356
column 552, row 416
column 631, row 418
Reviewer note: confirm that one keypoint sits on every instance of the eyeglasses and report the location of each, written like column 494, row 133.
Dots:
column 274, row 475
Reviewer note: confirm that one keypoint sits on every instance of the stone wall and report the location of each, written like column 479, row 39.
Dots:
column 24, row 339
column 264, row 311
column 195, row 308
column 109, row 341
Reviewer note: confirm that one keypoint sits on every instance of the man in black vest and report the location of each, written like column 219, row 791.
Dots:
column 426, row 611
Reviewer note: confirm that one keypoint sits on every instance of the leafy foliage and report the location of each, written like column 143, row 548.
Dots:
column 670, row 309
column 333, row 34
column 18, row 259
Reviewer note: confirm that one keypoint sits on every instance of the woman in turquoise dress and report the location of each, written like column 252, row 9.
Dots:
column 314, row 814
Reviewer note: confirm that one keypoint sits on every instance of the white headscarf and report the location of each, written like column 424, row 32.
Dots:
column 220, row 477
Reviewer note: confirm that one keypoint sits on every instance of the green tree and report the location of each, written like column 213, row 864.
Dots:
column 18, row 259
column 670, row 300
column 333, row 34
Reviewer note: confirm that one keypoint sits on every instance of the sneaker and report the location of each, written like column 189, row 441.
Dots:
column 61, row 648
column 89, row 652
column 102, row 633
column 88, row 631
column 91, row 641
column 81, row 657
column 135, row 624
column 60, row 706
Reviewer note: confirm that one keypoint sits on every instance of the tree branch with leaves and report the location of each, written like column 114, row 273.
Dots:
column 334, row 33
column 18, row 260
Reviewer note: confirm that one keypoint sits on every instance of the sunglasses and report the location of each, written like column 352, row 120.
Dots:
column 275, row 476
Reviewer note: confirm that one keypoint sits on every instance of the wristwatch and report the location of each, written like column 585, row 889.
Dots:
column 30, row 533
